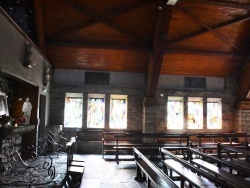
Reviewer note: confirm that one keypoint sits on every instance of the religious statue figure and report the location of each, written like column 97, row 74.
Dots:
column 27, row 107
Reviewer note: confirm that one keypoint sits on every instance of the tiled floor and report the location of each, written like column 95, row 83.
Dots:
column 100, row 173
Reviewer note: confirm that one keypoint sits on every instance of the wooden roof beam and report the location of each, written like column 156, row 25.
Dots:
column 244, row 81
column 156, row 57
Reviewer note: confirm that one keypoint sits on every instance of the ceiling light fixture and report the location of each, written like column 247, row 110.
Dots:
column 172, row 2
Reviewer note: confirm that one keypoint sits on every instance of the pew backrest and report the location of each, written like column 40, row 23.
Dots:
column 218, row 161
column 154, row 174
column 231, row 179
column 165, row 153
column 221, row 137
column 226, row 148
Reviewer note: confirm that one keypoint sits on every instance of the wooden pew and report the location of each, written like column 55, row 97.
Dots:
column 155, row 140
column 209, row 141
column 222, row 148
column 188, row 172
column 109, row 141
column 75, row 168
column 146, row 170
column 231, row 179
column 244, row 170
column 235, row 154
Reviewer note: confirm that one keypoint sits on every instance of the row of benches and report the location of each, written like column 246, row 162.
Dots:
column 152, row 141
column 198, row 171
column 75, row 166
column 115, row 143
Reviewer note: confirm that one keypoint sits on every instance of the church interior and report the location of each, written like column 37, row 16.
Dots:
column 124, row 93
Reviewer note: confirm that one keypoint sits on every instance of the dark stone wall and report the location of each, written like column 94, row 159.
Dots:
column 135, row 98
column 146, row 115
column 137, row 116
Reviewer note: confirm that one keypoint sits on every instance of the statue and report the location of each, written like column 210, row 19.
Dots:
column 27, row 107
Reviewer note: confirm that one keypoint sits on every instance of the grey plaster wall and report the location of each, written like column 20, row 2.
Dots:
column 177, row 82
column 77, row 77
column 12, row 49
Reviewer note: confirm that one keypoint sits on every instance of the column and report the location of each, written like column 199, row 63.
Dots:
column 150, row 116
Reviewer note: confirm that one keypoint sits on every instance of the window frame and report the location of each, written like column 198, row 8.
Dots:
column 219, row 106
column 175, row 99
column 96, row 96
column 118, row 97
column 200, row 113
column 73, row 96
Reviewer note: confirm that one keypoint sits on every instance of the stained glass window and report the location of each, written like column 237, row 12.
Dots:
column 195, row 113
column 118, row 112
column 175, row 113
column 214, row 114
column 96, row 111
column 73, row 110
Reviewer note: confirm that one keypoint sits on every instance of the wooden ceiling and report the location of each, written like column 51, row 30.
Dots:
column 206, row 38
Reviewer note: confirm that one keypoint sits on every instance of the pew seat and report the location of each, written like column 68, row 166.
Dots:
column 231, row 179
column 186, row 174
column 172, row 163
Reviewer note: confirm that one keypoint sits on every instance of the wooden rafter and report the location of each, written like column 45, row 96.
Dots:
column 104, row 19
column 156, row 57
column 244, row 80
column 217, row 34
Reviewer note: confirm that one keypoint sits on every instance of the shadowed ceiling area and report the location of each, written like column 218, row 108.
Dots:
column 204, row 38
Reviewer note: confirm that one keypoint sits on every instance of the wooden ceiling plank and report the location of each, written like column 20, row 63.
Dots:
column 227, row 4
column 207, row 53
column 109, row 15
column 100, row 46
column 156, row 57
column 38, row 7
column 121, row 10
column 209, row 28
column 242, row 19
column 69, row 31
column 106, row 22
column 244, row 81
